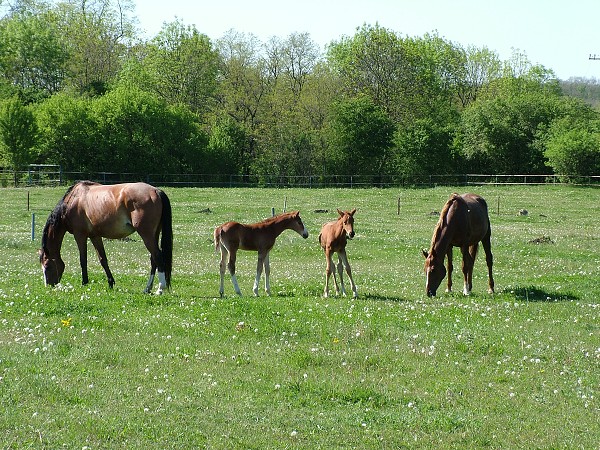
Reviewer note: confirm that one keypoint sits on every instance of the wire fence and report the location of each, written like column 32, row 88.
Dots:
column 49, row 175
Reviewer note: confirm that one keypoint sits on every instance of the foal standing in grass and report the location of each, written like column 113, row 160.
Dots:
column 259, row 237
column 333, row 238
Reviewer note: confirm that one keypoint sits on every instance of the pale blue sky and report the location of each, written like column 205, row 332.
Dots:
column 560, row 35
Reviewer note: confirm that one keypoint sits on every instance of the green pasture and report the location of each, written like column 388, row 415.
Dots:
column 89, row 367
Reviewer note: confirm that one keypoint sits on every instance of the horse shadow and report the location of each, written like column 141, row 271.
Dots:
column 536, row 294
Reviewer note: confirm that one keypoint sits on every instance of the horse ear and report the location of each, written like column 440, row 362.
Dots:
column 352, row 212
column 425, row 254
column 341, row 213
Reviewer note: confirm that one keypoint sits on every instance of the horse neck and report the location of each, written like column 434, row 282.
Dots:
column 443, row 238
column 279, row 226
column 54, row 236
column 339, row 227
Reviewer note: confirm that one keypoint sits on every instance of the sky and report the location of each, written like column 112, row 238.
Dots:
column 560, row 35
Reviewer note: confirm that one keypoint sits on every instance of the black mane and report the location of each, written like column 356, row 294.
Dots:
column 55, row 217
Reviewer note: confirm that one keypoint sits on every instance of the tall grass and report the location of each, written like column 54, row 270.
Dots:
column 85, row 366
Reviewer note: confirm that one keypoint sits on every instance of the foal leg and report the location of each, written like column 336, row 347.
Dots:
column 267, row 274
column 344, row 259
column 259, row 268
column 231, row 266
column 82, row 246
column 222, row 265
column 489, row 260
column 99, row 246
column 450, row 269
column 340, row 270
column 328, row 258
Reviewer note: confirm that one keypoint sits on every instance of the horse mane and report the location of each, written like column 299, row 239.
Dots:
column 442, row 222
column 278, row 217
column 55, row 217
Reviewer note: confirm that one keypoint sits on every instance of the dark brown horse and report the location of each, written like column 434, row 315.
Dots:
column 464, row 222
column 333, row 238
column 94, row 211
column 259, row 237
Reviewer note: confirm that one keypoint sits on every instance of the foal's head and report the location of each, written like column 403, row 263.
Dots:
column 297, row 224
column 52, row 267
column 347, row 218
column 434, row 272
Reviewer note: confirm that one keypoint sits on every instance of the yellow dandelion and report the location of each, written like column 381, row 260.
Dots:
column 66, row 322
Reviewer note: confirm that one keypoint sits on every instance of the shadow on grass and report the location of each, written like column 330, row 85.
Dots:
column 536, row 294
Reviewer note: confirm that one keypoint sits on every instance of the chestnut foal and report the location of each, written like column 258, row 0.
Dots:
column 333, row 238
column 259, row 237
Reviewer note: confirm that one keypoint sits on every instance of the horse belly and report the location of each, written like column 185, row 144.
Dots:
column 117, row 228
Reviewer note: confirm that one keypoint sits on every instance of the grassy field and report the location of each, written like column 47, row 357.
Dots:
column 89, row 367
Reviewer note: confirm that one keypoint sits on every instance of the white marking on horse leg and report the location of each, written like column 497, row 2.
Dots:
column 259, row 268
column 162, row 283
column 236, row 287
column 149, row 284
column 466, row 290
column 326, row 290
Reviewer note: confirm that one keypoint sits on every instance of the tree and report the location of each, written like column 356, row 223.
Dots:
column 243, row 90
column 361, row 138
column 139, row 132
column 96, row 34
column 32, row 57
column 424, row 148
column 572, row 143
column 181, row 66
column 18, row 132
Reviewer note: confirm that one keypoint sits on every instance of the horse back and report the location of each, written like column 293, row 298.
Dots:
column 115, row 211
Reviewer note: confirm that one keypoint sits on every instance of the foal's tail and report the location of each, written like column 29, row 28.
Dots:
column 217, row 238
column 166, row 240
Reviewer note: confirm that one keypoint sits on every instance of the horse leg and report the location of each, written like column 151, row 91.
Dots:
column 259, row 268
column 99, row 246
column 82, row 246
column 328, row 258
column 489, row 260
column 344, row 259
column 467, row 268
column 340, row 271
column 231, row 266
column 156, row 262
column 473, row 253
column 222, row 266
column 267, row 274
column 450, row 269
column 151, row 277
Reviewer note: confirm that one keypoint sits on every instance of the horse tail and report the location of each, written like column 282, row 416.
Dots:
column 217, row 238
column 166, row 241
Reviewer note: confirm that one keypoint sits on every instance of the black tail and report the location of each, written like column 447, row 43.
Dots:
column 166, row 240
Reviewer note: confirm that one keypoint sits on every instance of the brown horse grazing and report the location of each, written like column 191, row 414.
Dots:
column 463, row 222
column 91, row 210
column 259, row 237
column 333, row 239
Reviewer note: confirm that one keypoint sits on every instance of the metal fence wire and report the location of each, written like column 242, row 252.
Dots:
column 50, row 175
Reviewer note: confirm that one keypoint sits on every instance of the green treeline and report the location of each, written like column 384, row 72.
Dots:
column 79, row 87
